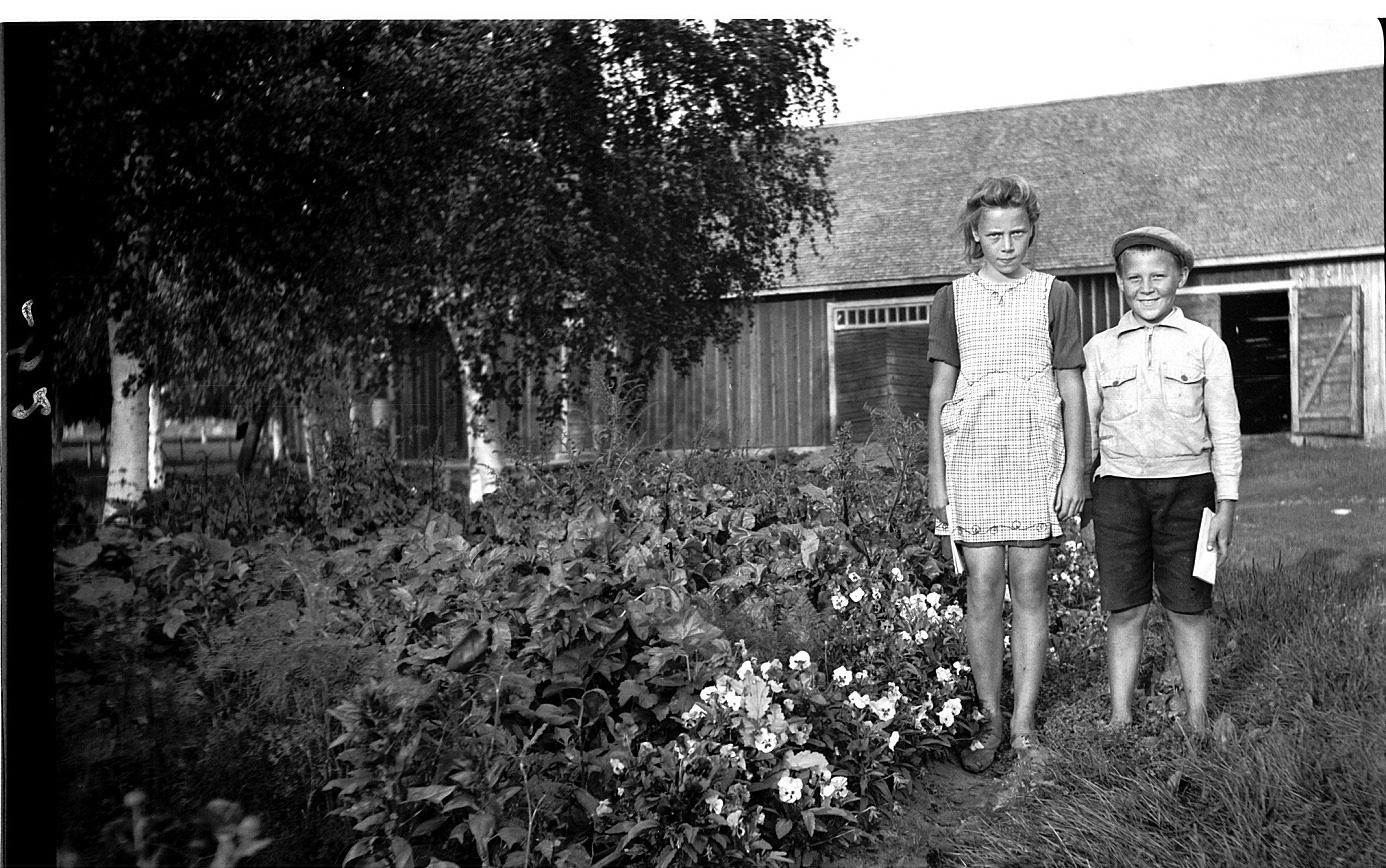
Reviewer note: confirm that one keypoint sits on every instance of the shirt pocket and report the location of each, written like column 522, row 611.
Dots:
column 1183, row 389
column 1119, row 392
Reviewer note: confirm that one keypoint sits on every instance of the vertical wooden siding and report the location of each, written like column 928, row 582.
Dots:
column 769, row 390
column 431, row 411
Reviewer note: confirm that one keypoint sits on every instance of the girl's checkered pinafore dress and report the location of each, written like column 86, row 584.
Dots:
column 1003, row 442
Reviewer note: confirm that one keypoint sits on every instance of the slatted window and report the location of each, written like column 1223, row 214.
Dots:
column 866, row 316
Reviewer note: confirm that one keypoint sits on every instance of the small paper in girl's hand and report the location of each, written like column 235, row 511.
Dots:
column 1206, row 561
column 949, row 530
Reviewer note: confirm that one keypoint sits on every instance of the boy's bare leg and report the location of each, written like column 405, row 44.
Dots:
column 1029, row 579
column 1193, row 645
column 986, row 593
column 1125, row 640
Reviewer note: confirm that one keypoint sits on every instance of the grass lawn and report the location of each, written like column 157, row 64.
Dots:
column 1295, row 774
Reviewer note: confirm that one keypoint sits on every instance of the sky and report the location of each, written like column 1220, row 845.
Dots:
column 917, row 63
column 910, row 60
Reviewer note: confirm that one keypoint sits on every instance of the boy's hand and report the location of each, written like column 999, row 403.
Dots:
column 1220, row 530
column 1085, row 516
column 1069, row 499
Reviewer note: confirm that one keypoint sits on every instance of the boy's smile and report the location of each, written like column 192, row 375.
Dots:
column 1149, row 280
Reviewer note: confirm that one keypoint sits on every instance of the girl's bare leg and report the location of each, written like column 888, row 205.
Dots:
column 1029, row 580
column 986, row 593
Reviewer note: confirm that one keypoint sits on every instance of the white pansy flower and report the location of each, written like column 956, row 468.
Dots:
column 604, row 808
column 800, row 661
column 714, row 803
column 791, row 789
column 617, row 766
column 893, row 740
column 746, row 668
column 884, row 708
column 694, row 714
column 766, row 742
column 842, row 676
column 859, row 700
column 943, row 674
column 839, row 602
column 899, row 576
column 951, row 709
column 921, row 636
column 933, row 599
column 857, row 595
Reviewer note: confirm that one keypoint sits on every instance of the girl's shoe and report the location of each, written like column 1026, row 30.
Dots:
column 981, row 753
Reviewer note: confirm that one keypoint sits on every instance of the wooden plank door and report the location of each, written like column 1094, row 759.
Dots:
column 1326, row 360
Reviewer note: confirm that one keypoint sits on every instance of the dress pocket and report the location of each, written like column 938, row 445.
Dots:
column 1183, row 389
column 1119, row 392
column 950, row 418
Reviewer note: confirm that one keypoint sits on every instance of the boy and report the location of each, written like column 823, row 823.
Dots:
column 1165, row 439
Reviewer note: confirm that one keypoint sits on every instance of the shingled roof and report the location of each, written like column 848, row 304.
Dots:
column 1283, row 168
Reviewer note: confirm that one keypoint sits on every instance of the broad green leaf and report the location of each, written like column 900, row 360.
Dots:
column 432, row 793
column 756, row 696
column 106, row 590
column 80, row 556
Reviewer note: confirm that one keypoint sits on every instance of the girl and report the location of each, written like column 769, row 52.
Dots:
column 1007, row 421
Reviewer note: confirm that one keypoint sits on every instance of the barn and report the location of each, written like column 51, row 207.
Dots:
column 1276, row 183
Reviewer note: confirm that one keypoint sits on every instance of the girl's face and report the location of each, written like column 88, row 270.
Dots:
column 1005, row 235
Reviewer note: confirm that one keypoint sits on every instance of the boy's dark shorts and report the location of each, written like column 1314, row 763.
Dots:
column 1148, row 527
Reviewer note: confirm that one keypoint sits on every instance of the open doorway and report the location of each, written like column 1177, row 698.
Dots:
column 1256, row 328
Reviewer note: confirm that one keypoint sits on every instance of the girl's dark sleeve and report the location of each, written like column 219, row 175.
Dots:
column 943, row 331
column 1065, row 332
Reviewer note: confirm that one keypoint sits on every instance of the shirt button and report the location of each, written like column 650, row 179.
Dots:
column 1184, row 377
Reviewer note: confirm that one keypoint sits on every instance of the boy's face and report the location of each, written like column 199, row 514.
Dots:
column 1005, row 235
column 1149, row 279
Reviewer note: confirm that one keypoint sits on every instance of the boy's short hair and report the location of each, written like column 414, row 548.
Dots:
column 1007, row 191
column 1153, row 237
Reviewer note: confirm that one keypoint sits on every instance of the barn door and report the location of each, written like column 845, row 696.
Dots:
column 1326, row 350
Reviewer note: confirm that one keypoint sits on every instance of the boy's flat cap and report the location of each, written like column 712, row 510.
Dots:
column 1155, row 236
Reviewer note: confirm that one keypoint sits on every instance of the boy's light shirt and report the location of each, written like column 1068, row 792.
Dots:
column 1161, row 402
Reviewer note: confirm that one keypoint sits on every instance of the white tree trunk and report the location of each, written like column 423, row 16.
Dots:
column 483, row 445
column 156, row 440
column 310, row 439
column 276, row 431
column 483, row 431
column 127, row 474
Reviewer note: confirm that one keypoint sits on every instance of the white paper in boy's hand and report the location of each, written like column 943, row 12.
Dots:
column 1205, row 561
column 948, row 530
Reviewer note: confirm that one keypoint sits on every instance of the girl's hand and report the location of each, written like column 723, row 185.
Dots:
column 1070, row 496
column 938, row 500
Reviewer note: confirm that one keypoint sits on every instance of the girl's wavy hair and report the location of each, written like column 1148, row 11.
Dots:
column 1007, row 191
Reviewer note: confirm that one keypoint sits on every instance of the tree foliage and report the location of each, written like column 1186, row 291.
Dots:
column 260, row 202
